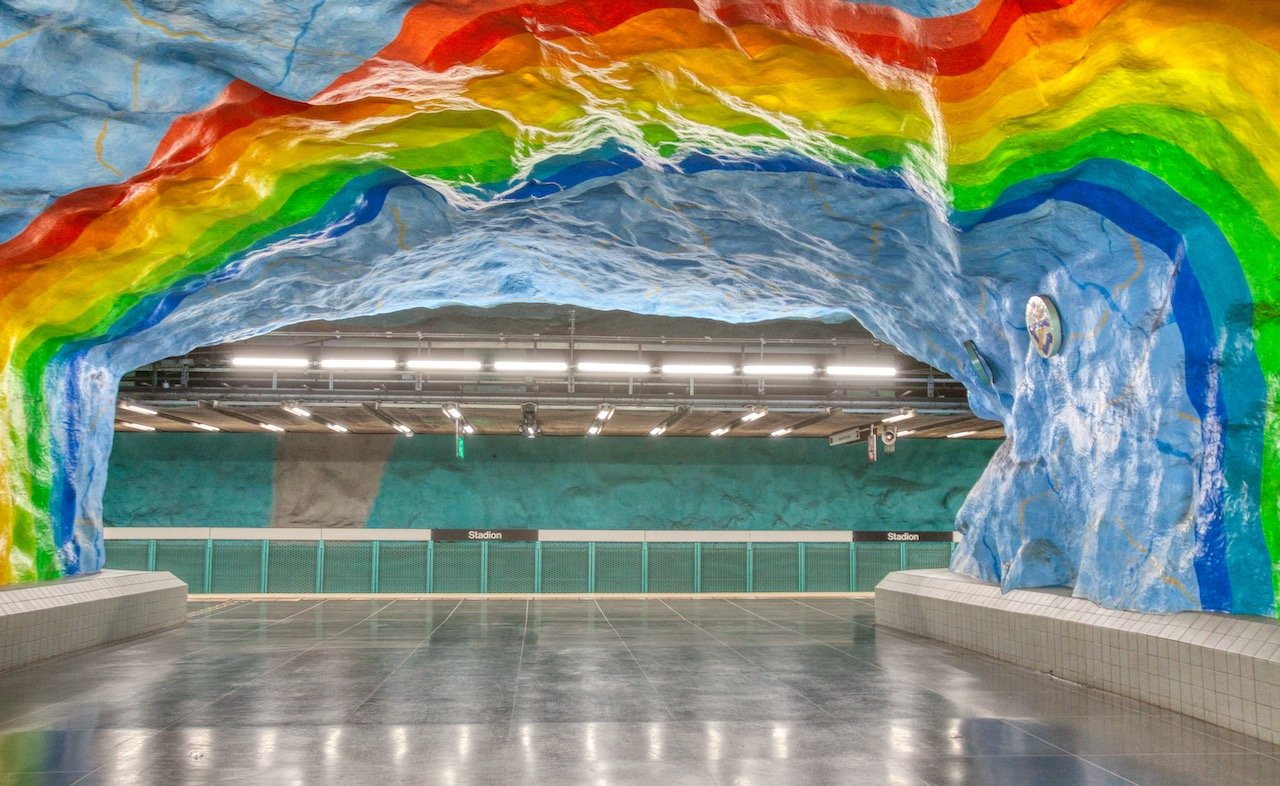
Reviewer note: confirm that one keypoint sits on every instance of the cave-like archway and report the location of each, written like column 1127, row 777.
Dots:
column 739, row 161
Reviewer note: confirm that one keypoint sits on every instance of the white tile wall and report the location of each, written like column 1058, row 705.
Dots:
column 42, row 620
column 1219, row 668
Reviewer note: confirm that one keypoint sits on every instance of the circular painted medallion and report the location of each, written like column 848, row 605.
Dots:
column 1044, row 325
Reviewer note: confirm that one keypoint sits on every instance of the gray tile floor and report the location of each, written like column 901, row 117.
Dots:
column 578, row 691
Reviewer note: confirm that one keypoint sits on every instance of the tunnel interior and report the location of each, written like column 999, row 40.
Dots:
column 674, row 161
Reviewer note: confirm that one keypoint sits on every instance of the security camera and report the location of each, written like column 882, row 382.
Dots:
column 889, row 436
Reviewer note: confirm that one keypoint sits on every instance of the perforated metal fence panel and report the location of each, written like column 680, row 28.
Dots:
column 512, row 567
column 875, row 561
column 402, row 567
column 457, row 567
column 672, row 567
column 775, row 567
column 928, row 555
column 565, row 567
column 724, row 567
column 826, row 567
column 619, row 567
column 291, row 565
column 237, row 566
column 185, row 559
column 128, row 554
column 348, row 567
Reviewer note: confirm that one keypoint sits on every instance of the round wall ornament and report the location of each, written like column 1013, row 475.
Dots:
column 1044, row 325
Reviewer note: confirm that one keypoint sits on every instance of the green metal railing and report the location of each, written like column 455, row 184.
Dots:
column 271, row 565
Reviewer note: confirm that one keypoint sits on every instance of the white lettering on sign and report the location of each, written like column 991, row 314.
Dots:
column 477, row 535
column 904, row 536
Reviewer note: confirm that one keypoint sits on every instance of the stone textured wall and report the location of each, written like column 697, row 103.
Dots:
column 178, row 175
column 204, row 480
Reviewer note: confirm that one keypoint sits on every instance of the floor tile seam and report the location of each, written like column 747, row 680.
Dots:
column 855, row 620
column 1179, row 719
column 1036, row 737
column 828, row 645
column 1076, row 756
column 259, row 629
column 1230, row 754
column 730, row 647
column 403, row 660
column 278, row 666
column 1082, row 757
column 515, row 691
column 653, row 685
column 142, row 734
column 799, row 602
column 215, row 610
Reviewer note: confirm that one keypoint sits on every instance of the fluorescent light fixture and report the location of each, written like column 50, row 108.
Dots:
column 530, row 365
column 603, row 415
column 957, row 434
column 271, row 427
column 906, row 433
column 451, row 410
column 720, row 432
column 375, row 409
column 697, row 369
column 294, row 409
column 338, row 427
column 245, row 362
column 356, row 364
column 137, row 426
column 861, row 371
column 905, row 414
column 467, row 428
column 442, row 365
column 755, row 414
column 205, row 426
column 766, row 369
column 782, row 432
column 589, row 367
column 669, row 421
column 138, row 409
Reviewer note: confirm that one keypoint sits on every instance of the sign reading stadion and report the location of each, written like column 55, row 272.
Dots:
column 482, row 535
column 899, row 536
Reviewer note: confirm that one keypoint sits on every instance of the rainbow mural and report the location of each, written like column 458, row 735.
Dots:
column 921, row 165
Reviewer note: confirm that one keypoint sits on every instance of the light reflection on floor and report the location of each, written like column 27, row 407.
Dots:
column 579, row 691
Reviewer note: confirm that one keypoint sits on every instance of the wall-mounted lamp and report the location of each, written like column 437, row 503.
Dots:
column 529, row 425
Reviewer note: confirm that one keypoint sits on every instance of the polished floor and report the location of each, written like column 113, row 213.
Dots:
column 705, row 691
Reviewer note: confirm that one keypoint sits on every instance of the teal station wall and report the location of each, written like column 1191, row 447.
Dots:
column 176, row 480
column 172, row 479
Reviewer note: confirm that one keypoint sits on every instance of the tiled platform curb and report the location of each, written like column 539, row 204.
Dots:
column 39, row 621
column 1221, row 669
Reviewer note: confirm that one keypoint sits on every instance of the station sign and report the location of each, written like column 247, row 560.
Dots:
column 900, row 536
column 484, row 535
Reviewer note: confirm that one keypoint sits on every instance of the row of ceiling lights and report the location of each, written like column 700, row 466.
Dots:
column 529, row 426
column 560, row 367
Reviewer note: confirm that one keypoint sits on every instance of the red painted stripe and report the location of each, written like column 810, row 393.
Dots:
column 190, row 136
column 940, row 45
